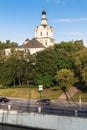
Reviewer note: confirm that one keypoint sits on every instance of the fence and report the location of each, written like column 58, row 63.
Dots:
column 46, row 110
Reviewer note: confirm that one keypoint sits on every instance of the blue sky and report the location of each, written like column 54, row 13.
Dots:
column 18, row 19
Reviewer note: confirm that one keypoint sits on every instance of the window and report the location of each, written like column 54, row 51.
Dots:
column 41, row 33
column 46, row 43
column 47, row 33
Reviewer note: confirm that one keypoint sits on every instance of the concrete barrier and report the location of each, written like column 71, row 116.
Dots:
column 38, row 120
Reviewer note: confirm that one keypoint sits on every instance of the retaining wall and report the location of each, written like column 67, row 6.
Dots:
column 38, row 120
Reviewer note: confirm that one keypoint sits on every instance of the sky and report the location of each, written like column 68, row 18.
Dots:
column 18, row 18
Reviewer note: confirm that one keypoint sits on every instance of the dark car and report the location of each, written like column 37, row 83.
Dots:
column 43, row 101
column 4, row 99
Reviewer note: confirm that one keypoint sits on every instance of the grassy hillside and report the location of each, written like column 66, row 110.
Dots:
column 80, row 95
column 52, row 93
column 30, row 93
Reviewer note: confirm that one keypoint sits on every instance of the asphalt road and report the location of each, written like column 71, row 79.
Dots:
column 56, row 107
column 17, row 103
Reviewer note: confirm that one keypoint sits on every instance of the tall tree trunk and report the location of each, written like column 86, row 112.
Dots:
column 14, row 82
column 27, row 82
column 19, row 81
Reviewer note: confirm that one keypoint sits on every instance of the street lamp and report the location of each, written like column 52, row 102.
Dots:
column 80, row 102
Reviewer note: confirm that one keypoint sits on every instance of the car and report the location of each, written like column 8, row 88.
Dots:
column 43, row 101
column 4, row 99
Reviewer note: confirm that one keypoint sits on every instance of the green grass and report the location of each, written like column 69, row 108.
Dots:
column 82, row 95
column 30, row 93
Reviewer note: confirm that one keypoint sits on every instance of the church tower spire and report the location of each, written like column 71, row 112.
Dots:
column 44, row 33
column 44, row 20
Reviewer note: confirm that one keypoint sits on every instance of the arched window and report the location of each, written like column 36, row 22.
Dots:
column 45, row 43
column 41, row 33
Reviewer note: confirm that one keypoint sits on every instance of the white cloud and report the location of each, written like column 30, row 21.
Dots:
column 57, row 1
column 70, row 20
column 74, row 34
column 61, row 2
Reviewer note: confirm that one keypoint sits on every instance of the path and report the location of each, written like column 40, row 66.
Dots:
column 70, row 94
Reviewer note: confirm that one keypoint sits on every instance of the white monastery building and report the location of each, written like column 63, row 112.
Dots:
column 43, row 38
column 44, row 33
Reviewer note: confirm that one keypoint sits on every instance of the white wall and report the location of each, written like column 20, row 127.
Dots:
column 51, row 122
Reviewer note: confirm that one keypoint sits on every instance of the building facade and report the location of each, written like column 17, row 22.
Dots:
column 44, row 33
column 43, row 38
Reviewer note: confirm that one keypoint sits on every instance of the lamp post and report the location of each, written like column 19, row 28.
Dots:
column 80, row 102
column 29, row 69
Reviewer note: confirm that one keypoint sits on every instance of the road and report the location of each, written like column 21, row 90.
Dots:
column 16, row 103
column 56, row 107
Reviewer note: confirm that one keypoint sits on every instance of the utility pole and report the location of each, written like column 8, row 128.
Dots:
column 80, row 102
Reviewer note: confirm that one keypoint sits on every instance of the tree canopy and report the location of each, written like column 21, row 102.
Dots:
column 66, row 60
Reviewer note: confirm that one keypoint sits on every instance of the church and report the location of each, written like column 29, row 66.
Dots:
column 43, row 38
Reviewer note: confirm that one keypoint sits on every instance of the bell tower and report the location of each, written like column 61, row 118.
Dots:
column 44, row 20
column 44, row 33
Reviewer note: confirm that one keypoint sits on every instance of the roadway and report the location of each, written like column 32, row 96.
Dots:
column 16, row 103
column 57, row 107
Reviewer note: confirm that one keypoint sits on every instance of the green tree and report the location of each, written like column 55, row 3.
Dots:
column 29, row 67
column 65, row 78
column 81, row 66
column 45, row 67
column 71, row 47
column 44, row 79
column 11, row 70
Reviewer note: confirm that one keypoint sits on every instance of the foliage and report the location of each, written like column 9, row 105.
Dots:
column 66, row 60
column 16, row 69
column 65, row 78
column 71, row 47
column 7, row 44
column 45, row 67
column 45, row 80
column 81, row 65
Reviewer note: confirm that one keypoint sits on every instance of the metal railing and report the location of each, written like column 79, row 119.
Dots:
column 46, row 110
